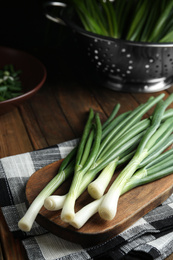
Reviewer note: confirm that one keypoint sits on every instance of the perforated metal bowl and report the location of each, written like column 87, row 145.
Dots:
column 123, row 65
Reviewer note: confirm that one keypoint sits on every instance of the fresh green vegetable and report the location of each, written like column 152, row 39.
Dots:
column 137, row 20
column 28, row 219
column 149, row 174
column 122, row 154
column 56, row 202
column 162, row 21
column 68, row 211
column 96, row 163
column 157, row 169
column 108, row 207
column 117, row 132
column 88, row 158
column 97, row 188
column 10, row 84
column 66, row 169
column 111, row 117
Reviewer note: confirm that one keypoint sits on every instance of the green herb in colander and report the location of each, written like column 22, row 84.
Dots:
column 135, row 20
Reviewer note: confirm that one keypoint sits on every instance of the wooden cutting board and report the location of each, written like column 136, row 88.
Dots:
column 132, row 206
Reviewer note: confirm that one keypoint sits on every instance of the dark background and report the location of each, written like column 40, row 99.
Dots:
column 23, row 25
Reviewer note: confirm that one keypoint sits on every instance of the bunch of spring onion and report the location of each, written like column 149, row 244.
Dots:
column 156, row 169
column 151, row 169
column 108, row 207
column 160, row 140
column 89, row 157
column 115, row 143
column 97, row 187
column 137, row 20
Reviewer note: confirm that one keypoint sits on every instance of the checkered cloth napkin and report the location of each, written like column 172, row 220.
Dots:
column 151, row 237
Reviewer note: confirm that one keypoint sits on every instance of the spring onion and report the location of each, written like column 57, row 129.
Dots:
column 97, row 188
column 88, row 158
column 26, row 222
column 137, row 20
column 55, row 202
column 134, row 117
column 111, row 117
column 68, row 211
column 121, row 147
column 65, row 170
column 108, row 207
column 142, row 176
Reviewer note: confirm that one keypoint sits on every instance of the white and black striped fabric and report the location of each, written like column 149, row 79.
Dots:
column 151, row 237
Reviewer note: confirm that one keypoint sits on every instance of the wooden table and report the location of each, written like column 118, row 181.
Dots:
column 55, row 114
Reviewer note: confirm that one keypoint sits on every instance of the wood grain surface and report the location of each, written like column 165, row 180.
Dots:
column 55, row 114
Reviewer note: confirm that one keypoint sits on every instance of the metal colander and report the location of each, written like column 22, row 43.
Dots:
column 123, row 65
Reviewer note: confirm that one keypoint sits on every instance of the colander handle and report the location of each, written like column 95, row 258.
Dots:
column 50, row 16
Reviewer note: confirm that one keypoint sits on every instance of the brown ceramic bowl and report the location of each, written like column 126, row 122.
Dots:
column 33, row 75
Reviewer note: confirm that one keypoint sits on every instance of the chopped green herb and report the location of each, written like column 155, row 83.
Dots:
column 10, row 84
